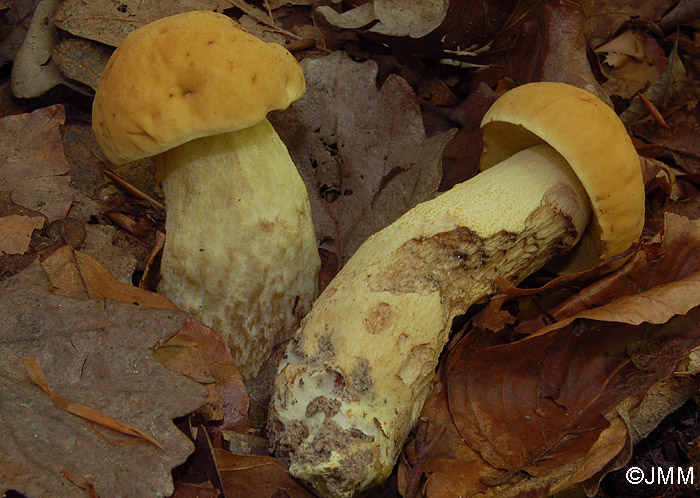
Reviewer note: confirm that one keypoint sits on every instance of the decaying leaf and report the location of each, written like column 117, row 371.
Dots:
column 109, row 21
column 97, row 353
column 556, row 407
column 32, row 164
column 33, row 73
column 605, row 18
column 196, row 351
column 632, row 61
column 260, row 476
column 202, row 355
column 553, row 48
column 16, row 232
column 396, row 17
column 362, row 152
column 81, row 60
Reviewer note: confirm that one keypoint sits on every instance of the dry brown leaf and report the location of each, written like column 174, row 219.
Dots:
column 96, row 353
column 547, row 405
column 460, row 159
column 81, row 60
column 362, row 152
column 660, row 280
column 553, row 48
column 33, row 73
column 109, row 21
column 202, row 355
column 77, row 275
column 395, row 17
column 16, row 232
column 32, row 164
column 259, row 476
column 662, row 92
column 605, row 18
column 63, row 403
column 196, row 351
column 635, row 64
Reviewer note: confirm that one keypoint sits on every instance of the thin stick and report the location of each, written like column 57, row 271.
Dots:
column 134, row 191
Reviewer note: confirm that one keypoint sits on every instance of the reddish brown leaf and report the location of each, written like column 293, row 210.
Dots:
column 658, row 281
column 259, row 476
column 201, row 354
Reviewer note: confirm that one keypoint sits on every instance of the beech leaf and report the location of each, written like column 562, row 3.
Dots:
column 558, row 406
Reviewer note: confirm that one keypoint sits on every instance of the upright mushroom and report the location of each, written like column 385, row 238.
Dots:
column 354, row 378
column 240, row 255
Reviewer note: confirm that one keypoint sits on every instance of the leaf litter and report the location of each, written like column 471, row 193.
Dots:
column 362, row 152
column 97, row 353
column 645, row 366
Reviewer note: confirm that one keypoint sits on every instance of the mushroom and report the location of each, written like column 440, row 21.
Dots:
column 357, row 373
column 193, row 90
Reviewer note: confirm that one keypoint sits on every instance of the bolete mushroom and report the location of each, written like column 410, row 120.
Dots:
column 355, row 376
column 194, row 90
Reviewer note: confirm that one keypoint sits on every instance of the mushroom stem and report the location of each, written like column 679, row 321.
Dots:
column 355, row 377
column 238, row 207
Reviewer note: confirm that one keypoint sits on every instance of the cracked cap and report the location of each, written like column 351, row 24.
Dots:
column 188, row 76
column 595, row 143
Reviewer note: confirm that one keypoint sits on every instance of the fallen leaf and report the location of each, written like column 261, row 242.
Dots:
column 547, row 406
column 635, row 64
column 362, row 152
column 605, row 18
column 109, row 22
column 661, row 92
column 32, row 164
column 395, row 17
column 81, row 60
column 196, row 351
column 94, row 416
column 33, row 73
column 659, row 281
column 77, row 275
column 685, row 12
column 553, row 48
column 259, row 476
column 460, row 158
column 16, row 232
column 97, row 353
column 202, row 355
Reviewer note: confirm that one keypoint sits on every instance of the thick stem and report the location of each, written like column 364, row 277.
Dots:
column 240, row 253
column 356, row 375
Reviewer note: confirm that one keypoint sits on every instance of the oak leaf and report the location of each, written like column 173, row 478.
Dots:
column 96, row 353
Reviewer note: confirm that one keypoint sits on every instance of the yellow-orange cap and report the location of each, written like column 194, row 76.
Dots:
column 188, row 76
column 590, row 136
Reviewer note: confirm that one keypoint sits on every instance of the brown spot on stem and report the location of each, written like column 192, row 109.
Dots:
column 379, row 318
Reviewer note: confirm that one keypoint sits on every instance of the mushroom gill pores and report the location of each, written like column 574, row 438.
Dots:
column 559, row 168
column 240, row 255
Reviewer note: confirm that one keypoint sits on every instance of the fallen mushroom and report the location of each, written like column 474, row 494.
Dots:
column 356, row 375
column 240, row 255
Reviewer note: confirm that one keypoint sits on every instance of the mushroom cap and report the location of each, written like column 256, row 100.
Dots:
column 188, row 76
column 590, row 136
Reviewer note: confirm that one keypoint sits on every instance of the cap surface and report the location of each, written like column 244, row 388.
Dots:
column 595, row 143
column 188, row 76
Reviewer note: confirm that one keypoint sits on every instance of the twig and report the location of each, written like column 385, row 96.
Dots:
column 134, row 191
column 423, row 450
